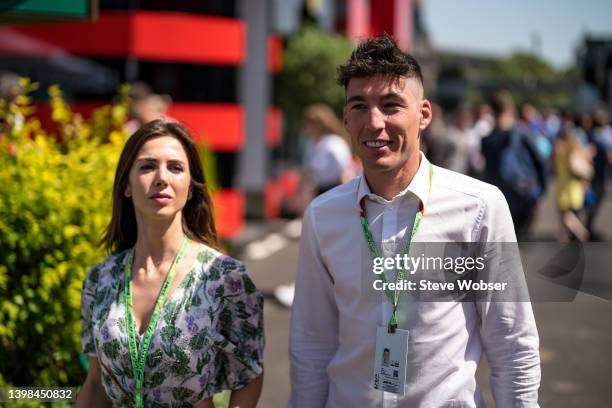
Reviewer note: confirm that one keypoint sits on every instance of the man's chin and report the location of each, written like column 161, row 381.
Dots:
column 380, row 166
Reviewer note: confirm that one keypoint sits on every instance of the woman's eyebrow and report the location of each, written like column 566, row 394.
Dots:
column 153, row 159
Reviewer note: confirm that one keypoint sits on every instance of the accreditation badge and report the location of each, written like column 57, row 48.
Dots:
column 390, row 360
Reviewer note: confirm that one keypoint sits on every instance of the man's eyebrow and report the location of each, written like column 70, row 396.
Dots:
column 360, row 98
column 355, row 98
column 392, row 95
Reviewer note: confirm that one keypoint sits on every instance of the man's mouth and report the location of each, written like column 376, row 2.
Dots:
column 377, row 143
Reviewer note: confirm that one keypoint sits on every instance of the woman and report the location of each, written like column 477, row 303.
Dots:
column 572, row 165
column 327, row 155
column 328, row 163
column 167, row 318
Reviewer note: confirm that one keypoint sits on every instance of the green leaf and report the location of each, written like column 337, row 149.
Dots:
column 153, row 359
column 111, row 349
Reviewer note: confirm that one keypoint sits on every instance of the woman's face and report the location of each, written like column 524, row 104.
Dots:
column 312, row 129
column 159, row 181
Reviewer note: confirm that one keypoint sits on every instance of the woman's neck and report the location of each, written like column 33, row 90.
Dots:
column 159, row 241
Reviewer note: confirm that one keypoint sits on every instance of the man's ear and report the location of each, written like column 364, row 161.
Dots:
column 425, row 115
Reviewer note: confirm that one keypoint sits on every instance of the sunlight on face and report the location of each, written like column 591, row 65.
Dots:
column 159, row 180
column 384, row 118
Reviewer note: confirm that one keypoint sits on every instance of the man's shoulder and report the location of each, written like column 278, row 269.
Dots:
column 340, row 197
column 455, row 183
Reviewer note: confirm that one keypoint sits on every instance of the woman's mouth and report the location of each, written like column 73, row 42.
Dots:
column 160, row 198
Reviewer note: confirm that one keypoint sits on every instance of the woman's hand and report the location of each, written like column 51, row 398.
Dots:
column 248, row 396
column 92, row 393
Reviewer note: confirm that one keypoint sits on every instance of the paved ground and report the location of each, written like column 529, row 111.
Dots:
column 576, row 338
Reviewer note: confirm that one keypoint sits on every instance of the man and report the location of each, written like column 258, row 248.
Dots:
column 334, row 327
column 514, row 164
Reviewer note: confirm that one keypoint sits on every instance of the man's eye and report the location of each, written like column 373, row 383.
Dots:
column 392, row 105
column 358, row 106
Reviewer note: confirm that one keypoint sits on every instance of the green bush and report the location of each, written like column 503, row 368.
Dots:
column 55, row 200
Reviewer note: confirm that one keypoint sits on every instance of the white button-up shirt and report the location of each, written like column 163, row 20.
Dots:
column 334, row 322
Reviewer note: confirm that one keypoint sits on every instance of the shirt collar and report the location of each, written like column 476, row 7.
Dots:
column 419, row 185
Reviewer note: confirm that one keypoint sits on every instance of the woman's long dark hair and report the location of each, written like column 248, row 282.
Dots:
column 198, row 222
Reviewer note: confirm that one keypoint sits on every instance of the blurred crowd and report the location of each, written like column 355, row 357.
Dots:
column 523, row 150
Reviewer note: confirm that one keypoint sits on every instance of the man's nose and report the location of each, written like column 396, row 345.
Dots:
column 376, row 119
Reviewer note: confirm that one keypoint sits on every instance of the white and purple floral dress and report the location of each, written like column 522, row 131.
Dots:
column 209, row 336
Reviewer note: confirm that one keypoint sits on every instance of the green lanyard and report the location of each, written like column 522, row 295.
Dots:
column 367, row 233
column 138, row 360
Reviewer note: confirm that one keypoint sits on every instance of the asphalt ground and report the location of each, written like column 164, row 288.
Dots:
column 575, row 338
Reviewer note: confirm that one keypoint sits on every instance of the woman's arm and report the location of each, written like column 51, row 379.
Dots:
column 92, row 393
column 248, row 396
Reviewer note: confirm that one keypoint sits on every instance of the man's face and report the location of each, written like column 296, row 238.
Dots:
column 384, row 117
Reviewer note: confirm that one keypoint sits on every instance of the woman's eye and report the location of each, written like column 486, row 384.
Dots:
column 176, row 169
column 146, row 167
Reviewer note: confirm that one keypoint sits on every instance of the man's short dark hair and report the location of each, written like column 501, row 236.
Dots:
column 379, row 56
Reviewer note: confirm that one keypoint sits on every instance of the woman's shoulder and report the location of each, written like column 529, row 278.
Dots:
column 111, row 265
column 211, row 258
column 218, row 268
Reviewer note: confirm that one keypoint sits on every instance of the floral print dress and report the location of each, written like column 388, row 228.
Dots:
column 209, row 336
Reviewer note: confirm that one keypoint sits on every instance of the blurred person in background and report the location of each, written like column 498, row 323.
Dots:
column 434, row 141
column 601, row 142
column 552, row 123
column 572, row 170
column 484, row 122
column 533, row 126
column 10, row 89
column 166, row 318
column 327, row 155
column 146, row 106
column 513, row 164
column 454, row 146
column 584, row 128
column 328, row 162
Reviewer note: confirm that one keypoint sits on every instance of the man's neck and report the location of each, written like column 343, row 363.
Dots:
column 389, row 184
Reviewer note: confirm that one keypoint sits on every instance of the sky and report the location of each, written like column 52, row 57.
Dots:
column 499, row 27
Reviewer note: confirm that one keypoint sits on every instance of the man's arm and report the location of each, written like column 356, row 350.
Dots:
column 314, row 323
column 508, row 329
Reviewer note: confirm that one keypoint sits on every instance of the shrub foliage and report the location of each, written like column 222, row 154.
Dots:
column 55, row 200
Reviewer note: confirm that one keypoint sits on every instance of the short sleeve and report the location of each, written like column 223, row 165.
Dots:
column 87, row 301
column 240, row 329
